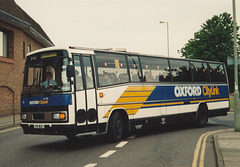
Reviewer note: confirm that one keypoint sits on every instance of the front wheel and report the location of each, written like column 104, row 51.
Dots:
column 116, row 127
column 202, row 117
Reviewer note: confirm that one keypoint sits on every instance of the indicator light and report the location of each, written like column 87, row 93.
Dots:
column 101, row 94
column 59, row 116
column 62, row 116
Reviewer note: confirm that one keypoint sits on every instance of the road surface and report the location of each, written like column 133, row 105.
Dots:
column 169, row 146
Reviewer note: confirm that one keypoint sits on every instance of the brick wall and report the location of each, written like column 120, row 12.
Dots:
column 11, row 69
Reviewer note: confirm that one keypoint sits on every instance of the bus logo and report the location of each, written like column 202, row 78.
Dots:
column 189, row 91
column 184, row 91
column 36, row 102
column 210, row 91
column 33, row 102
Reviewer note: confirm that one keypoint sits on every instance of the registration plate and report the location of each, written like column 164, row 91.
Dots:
column 39, row 126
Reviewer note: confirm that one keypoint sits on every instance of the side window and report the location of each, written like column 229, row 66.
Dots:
column 217, row 72
column 155, row 69
column 180, row 70
column 78, row 73
column 200, row 72
column 88, row 72
column 3, row 44
column 134, row 68
column 111, row 68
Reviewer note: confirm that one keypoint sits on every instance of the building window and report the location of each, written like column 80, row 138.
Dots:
column 29, row 48
column 24, row 54
column 3, row 44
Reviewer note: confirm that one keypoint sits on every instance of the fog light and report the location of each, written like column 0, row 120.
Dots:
column 59, row 116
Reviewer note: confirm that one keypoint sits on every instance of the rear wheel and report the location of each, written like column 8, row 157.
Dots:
column 116, row 127
column 202, row 117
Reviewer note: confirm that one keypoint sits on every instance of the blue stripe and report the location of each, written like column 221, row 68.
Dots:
column 52, row 100
column 168, row 93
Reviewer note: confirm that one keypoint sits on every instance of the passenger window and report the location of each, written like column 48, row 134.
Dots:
column 180, row 70
column 200, row 72
column 78, row 73
column 88, row 72
column 134, row 68
column 111, row 68
column 155, row 69
column 217, row 72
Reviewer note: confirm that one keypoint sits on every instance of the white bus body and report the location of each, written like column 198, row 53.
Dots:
column 105, row 91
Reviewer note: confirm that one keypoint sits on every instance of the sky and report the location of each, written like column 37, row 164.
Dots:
column 131, row 24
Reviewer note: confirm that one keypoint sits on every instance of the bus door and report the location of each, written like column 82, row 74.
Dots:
column 85, row 96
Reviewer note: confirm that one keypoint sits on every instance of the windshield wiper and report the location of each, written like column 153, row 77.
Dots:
column 34, row 80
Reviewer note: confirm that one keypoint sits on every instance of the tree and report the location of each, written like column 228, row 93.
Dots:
column 214, row 41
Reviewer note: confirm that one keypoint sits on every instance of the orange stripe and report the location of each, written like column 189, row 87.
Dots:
column 131, row 99
column 140, row 88
column 136, row 94
column 216, row 100
column 162, row 104
column 129, row 96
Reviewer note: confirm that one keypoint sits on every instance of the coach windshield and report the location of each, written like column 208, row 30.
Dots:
column 46, row 72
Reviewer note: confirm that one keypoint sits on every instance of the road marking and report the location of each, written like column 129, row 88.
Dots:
column 107, row 154
column 10, row 129
column 201, row 144
column 204, row 143
column 121, row 144
column 196, row 151
column 90, row 165
column 110, row 152
column 132, row 137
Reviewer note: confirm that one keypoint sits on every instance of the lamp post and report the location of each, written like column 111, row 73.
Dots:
column 236, row 91
column 161, row 22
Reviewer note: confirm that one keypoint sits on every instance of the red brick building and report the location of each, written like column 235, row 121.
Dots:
column 19, row 34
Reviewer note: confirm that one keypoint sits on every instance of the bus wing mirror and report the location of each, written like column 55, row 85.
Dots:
column 70, row 71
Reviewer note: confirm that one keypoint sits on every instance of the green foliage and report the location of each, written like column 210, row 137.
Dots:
column 214, row 41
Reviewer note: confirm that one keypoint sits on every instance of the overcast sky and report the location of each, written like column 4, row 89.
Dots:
column 130, row 24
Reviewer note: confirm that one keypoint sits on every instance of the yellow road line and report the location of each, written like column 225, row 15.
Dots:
column 196, row 151
column 201, row 147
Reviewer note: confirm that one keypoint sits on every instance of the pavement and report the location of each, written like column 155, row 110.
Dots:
column 226, row 143
column 227, row 148
column 9, row 121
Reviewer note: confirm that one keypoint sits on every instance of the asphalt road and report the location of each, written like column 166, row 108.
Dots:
column 170, row 146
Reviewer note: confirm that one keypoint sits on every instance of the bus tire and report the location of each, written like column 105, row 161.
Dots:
column 116, row 127
column 202, row 116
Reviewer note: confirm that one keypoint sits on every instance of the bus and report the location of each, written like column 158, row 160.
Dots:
column 104, row 91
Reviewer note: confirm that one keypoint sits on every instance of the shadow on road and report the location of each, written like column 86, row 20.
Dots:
column 101, row 141
column 71, row 145
column 178, row 127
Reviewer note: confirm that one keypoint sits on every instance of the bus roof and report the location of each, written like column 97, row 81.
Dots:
column 86, row 50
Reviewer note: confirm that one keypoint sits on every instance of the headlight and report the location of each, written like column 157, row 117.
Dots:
column 59, row 116
column 23, row 116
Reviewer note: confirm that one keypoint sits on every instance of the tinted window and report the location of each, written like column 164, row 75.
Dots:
column 217, row 72
column 111, row 68
column 200, row 72
column 180, row 70
column 155, row 69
